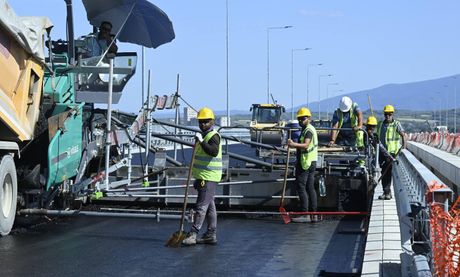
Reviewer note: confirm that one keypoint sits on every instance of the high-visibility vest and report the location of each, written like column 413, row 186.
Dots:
column 392, row 136
column 354, row 122
column 207, row 167
column 307, row 156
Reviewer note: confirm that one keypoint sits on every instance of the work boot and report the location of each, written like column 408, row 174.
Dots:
column 315, row 218
column 190, row 239
column 382, row 197
column 387, row 197
column 301, row 219
column 207, row 238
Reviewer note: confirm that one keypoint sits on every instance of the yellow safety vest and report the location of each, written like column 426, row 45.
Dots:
column 392, row 136
column 311, row 153
column 354, row 122
column 207, row 167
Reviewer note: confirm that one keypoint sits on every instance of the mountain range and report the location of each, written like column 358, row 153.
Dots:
column 428, row 95
column 435, row 94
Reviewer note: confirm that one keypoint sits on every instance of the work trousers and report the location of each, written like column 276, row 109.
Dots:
column 305, row 181
column 205, row 206
column 387, row 167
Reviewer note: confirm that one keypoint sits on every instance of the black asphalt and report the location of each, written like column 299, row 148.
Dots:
column 135, row 247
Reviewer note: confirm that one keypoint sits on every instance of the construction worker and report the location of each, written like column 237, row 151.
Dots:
column 390, row 133
column 207, row 171
column 373, row 139
column 348, row 115
column 307, row 154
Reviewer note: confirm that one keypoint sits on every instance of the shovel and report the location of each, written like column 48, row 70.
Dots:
column 282, row 210
column 176, row 239
column 386, row 169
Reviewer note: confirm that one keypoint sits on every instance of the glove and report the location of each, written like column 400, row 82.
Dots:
column 199, row 137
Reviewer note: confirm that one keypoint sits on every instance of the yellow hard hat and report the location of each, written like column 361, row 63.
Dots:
column 371, row 120
column 205, row 113
column 389, row 109
column 303, row 112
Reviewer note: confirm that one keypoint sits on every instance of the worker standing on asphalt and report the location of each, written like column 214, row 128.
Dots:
column 207, row 171
column 307, row 155
column 390, row 133
column 348, row 115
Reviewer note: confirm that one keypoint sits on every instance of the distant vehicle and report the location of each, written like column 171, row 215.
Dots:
column 441, row 129
column 265, row 123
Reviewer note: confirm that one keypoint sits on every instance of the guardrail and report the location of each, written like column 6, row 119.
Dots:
column 422, row 201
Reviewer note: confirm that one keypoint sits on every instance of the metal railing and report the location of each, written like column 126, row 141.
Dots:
column 411, row 179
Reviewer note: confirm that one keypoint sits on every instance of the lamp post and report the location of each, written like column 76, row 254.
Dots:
column 440, row 108
column 455, row 104
column 268, row 57
column 226, row 56
column 327, row 98
column 319, row 93
column 308, row 92
column 447, row 105
column 292, row 78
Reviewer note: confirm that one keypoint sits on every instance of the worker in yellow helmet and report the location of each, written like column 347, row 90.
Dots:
column 207, row 171
column 373, row 139
column 393, row 137
column 348, row 116
column 307, row 155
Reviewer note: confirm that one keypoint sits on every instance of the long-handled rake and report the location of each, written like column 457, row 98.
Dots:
column 282, row 210
column 176, row 239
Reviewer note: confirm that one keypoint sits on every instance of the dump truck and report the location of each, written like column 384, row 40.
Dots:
column 51, row 138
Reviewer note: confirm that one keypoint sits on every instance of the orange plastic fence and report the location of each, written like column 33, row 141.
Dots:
column 445, row 235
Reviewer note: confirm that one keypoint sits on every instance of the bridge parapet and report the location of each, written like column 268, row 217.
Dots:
column 448, row 142
column 429, row 236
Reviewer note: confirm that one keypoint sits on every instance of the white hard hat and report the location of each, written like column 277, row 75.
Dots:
column 345, row 104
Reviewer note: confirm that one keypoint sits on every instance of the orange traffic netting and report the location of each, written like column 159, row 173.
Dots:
column 445, row 236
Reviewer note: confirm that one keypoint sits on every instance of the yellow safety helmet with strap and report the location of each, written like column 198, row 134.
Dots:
column 303, row 112
column 389, row 109
column 371, row 120
column 205, row 113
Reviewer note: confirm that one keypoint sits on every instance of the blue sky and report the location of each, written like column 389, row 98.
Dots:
column 363, row 44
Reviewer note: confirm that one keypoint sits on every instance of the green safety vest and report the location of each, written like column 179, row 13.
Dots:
column 311, row 153
column 392, row 137
column 354, row 122
column 207, row 167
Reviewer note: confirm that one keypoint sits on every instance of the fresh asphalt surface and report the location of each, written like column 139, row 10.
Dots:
column 88, row 246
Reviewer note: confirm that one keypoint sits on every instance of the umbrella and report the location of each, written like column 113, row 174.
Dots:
column 136, row 21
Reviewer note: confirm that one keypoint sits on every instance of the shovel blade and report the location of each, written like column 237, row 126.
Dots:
column 285, row 215
column 176, row 239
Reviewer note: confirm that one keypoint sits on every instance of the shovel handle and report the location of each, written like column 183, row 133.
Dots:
column 286, row 170
column 189, row 176
column 386, row 169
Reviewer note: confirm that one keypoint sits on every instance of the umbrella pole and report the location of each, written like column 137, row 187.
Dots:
column 109, row 123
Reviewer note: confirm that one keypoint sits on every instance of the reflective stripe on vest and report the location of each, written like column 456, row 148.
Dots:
column 392, row 136
column 207, row 167
column 311, row 153
column 354, row 122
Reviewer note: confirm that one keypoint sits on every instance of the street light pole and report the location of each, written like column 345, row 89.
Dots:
column 226, row 50
column 440, row 108
column 327, row 98
column 455, row 105
column 319, row 93
column 268, row 57
column 292, row 78
column 308, row 92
